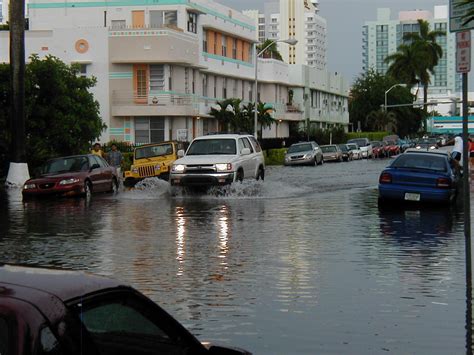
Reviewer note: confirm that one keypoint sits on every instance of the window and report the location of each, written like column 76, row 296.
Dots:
column 170, row 79
column 215, row 87
column 186, row 80
column 149, row 130
column 234, row 89
column 49, row 344
column 234, row 48
column 141, row 83
column 171, row 18
column 224, row 46
column 5, row 337
column 241, row 145
column 118, row 24
column 247, row 144
column 157, row 77
column 215, row 43
column 126, row 325
column 204, row 41
column 204, row 85
column 224, row 88
column 83, row 70
column 193, row 81
column 255, row 144
column 192, row 22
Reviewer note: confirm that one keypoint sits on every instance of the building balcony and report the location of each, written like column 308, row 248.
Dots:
column 153, row 45
column 129, row 103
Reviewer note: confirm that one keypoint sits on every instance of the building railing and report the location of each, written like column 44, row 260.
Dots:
column 130, row 98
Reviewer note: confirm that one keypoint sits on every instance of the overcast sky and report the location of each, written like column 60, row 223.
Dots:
column 345, row 19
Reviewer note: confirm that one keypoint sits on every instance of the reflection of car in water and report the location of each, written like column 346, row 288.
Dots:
column 73, row 175
column 152, row 160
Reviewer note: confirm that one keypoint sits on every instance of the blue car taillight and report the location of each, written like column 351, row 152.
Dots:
column 443, row 183
column 385, row 178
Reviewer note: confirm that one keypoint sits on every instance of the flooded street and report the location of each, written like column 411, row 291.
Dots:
column 303, row 263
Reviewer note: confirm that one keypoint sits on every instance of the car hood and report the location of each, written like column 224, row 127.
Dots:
column 206, row 159
column 55, row 177
column 298, row 153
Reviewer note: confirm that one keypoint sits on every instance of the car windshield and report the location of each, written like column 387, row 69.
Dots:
column 353, row 146
column 421, row 161
column 220, row 146
column 359, row 142
column 153, row 151
column 375, row 144
column 300, row 148
column 329, row 149
column 66, row 165
column 344, row 147
column 390, row 143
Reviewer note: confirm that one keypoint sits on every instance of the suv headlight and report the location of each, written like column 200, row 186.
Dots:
column 29, row 186
column 134, row 170
column 307, row 155
column 178, row 168
column 224, row 167
column 69, row 181
column 157, row 167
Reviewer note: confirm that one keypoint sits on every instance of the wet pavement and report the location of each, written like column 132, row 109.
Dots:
column 303, row 263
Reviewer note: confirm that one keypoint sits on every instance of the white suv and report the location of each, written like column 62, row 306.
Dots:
column 218, row 160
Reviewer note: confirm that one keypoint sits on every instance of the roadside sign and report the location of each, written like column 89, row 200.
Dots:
column 463, row 52
column 182, row 135
column 457, row 11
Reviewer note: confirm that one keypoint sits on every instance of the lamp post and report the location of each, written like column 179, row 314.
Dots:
column 291, row 42
column 386, row 92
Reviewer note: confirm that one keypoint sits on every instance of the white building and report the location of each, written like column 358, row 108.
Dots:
column 161, row 67
column 297, row 19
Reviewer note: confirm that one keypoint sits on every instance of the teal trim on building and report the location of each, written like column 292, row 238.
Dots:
column 120, row 3
column 117, row 131
column 124, row 75
column 225, row 59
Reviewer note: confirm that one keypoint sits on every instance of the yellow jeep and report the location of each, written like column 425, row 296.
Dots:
column 152, row 160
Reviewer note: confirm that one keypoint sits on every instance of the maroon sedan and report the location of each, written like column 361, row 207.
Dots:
column 74, row 175
column 47, row 311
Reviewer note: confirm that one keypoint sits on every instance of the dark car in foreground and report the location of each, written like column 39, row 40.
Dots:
column 419, row 176
column 72, row 176
column 47, row 311
column 304, row 153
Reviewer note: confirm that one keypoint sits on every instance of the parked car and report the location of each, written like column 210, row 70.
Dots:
column 391, row 148
column 364, row 145
column 304, row 153
column 346, row 152
column 331, row 152
column 419, row 176
column 356, row 153
column 73, row 175
column 378, row 149
column 50, row 311
column 152, row 160
column 218, row 160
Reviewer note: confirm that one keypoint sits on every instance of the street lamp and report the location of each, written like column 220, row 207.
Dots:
column 386, row 92
column 291, row 42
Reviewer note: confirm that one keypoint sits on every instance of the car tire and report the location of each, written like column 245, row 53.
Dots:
column 313, row 163
column 87, row 190
column 240, row 176
column 261, row 174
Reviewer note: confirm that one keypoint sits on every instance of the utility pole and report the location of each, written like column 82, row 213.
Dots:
column 18, row 171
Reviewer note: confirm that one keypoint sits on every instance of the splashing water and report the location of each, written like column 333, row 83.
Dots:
column 148, row 189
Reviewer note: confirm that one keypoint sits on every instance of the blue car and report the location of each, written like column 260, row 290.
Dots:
column 419, row 176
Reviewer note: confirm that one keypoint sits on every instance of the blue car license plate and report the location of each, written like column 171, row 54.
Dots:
column 412, row 197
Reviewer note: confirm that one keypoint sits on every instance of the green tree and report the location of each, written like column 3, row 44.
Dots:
column 62, row 115
column 368, row 94
column 223, row 113
column 270, row 52
column 382, row 120
column 419, row 56
column 264, row 116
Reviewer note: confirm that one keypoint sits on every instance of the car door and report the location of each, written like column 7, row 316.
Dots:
column 251, row 160
column 243, row 159
column 95, row 175
column 124, row 322
column 106, row 174
column 258, row 151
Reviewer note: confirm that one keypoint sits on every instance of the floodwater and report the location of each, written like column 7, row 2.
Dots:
column 302, row 263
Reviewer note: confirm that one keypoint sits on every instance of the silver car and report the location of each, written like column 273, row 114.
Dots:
column 304, row 153
column 332, row 152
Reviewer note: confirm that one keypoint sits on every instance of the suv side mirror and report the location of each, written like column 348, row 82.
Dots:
column 245, row 151
column 95, row 166
column 180, row 153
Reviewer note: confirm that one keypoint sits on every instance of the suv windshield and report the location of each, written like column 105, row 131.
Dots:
column 353, row 146
column 295, row 148
column 217, row 146
column 66, row 165
column 344, row 148
column 153, row 151
column 359, row 142
column 329, row 149
column 421, row 161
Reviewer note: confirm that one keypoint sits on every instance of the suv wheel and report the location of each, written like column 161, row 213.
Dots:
column 261, row 174
column 240, row 176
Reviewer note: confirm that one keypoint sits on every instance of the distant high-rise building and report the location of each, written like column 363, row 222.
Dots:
column 297, row 19
column 1, row 11
column 382, row 37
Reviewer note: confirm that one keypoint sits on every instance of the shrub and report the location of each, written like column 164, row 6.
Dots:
column 275, row 156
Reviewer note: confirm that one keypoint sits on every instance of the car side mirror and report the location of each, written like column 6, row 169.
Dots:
column 94, row 166
column 245, row 151
column 180, row 153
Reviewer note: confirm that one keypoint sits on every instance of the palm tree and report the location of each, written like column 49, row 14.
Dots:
column 223, row 113
column 264, row 117
column 270, row 52
column 382, row 120
column 405, row 65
